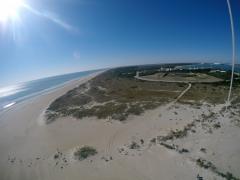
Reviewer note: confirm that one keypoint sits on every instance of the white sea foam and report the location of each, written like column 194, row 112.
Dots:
column 8, row 105
column 10, row 90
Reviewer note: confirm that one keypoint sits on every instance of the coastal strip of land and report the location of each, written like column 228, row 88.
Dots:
column 112, row 126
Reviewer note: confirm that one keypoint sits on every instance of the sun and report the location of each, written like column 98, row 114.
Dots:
column 9, row 9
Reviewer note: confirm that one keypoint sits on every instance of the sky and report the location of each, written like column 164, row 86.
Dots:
column 51, row 37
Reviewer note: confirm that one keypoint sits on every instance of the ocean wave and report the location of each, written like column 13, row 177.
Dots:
column 10, row 90
column 8, row 105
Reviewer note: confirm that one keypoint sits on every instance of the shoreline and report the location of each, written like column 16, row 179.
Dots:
column 19, row 125
column 49, row 90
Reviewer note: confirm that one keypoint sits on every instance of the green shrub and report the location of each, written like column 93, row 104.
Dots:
column 85, row 152
column 134, row 145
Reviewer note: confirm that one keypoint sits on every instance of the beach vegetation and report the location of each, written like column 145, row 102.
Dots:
column 84, row 152
column 134, row 145
column 209, row 165
column 116, row 94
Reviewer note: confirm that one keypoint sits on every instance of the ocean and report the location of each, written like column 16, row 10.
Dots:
column 14, row 94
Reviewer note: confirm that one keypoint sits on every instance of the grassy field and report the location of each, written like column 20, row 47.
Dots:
column 184, row 77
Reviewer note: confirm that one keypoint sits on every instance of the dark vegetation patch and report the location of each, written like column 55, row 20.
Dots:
column 226, row 76
column 103, row 111
column 84, row 152
column 153, row 140
column 209, row 165
column 217, row 125
column 174, row 147
column 51, row 116
column 177, row 133
column 203, row 150
column 172, row 135
column 134, row 145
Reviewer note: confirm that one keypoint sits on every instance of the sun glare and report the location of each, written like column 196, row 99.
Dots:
column 9, row 9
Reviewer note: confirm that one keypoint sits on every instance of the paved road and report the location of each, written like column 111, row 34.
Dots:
column 157, row 80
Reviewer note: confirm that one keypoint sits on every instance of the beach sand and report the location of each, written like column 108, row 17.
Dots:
column 28, row 145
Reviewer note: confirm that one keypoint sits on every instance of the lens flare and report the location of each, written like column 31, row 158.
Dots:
column 9, row 9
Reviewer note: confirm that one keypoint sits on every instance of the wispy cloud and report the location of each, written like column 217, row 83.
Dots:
column 52, row 17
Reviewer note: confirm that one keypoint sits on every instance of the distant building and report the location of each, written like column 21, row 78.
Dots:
column 165, row 69
column 213, row 71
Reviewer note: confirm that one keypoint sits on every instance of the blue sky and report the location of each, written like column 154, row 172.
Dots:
column 60, row 36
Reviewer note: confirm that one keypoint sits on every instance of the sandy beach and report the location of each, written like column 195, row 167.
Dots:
column 119, row 90
column 28, row 145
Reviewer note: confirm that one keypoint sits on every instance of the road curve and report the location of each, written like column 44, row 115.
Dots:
column 153, row 80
